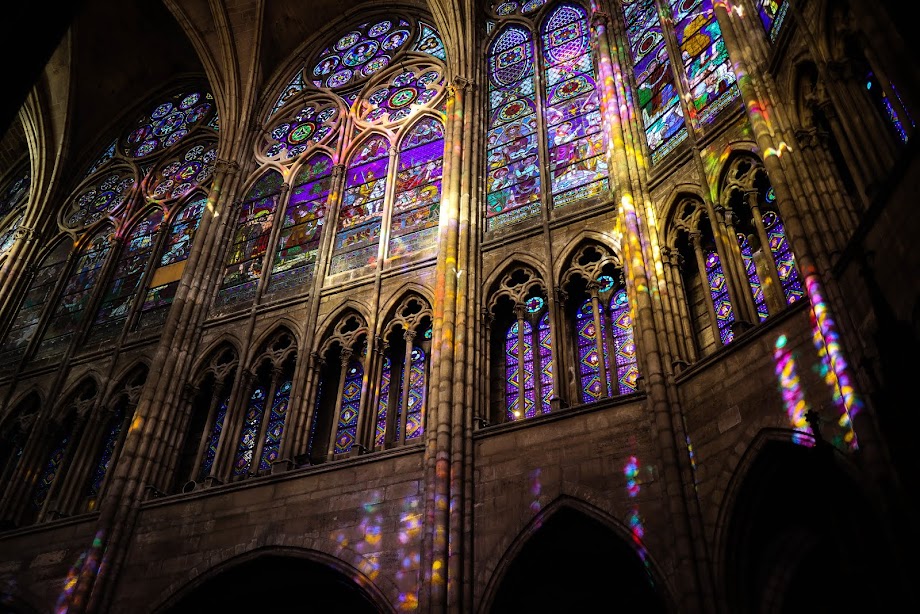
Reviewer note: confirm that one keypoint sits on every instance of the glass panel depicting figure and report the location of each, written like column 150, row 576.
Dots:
column 706, row 63
column 66, row 319
column 662, row 116
column 358, row 228
column 30, row 310
column 577, row 155
column 298, row 243
column 416, row 206
column 119, row 296
column 250, row 242
column 347, row 427
column 718, row 290
column 513, row 158
column 165, row 279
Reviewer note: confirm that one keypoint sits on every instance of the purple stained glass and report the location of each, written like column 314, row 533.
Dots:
column 119, row 296
column 271, row 447
column 112, row 431
column 383, row 405
column 30, row 309
column 296, row 85
column 65, row 320
column 357, row 54
column 347, row 428
column 166, row 276
column 512, row 373
column 394, row 100
column 772, row 14
column 657, row 95
column 182, row 174
column 530, row 406
column 167, row 124
column 750, row 268
column 250, row 432
column 718, row 290
column 301, row 229
column 210, row 453
column 295, row 135
column 107, row 195
column 416, row 207
column 545, row 345
column 624, row 343
column 709, row 74
column 783, row 257
column 512, row 160
column 592, row 388
column 358, row 227
column 250, row 242
column 416, row 399
column 50, row 471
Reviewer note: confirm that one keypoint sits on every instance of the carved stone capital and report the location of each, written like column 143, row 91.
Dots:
column 228, row 167
column 462, row 83
column 600, row 18
column 409, row 334
column 25, row 232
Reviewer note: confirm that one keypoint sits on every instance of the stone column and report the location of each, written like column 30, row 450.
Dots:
column 695, row 238
column 344, row 358
column 600, row 344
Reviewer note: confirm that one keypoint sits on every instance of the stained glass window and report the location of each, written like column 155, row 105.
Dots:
column 360, row 53
column 383, row 405
column 250, row 433
column 119, row 297
column 624, row 344
column 347, row 428
column 589, row 361
column 416, row 400
column 101, row 198
column 65, row 321
column 430, row 42
column 883, row 101
column 165, row 279
column 358, row 227
column 184, row 173
column 705, row 59
column 658, row 100
column 250, row 242
column 296, row 85
column 53, row 466
column 298, row 243
column 513, row 166
column 167, row 124
column 772, row 14
column 8, row 234
column 782, row 256
column 271, row 447
column 293, row 136
column 750, row 269
column 393, row 101
column 210, row 452
column 30, row 310
column 718, row 290
column 111, row 435
column 416, row 207
column 14, row 194
column 528, row 368
column 577, row 157
column 107, row 155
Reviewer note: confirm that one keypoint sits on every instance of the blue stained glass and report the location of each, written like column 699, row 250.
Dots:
column 292, row 88
column 772, row 14
column 718, row 290
column 347, row 429
column 513, row 165
column 360, row 214
column 416, row 207
column 301, row 230
column 167, row 124
column 546, row 363
column 30, row 310
column 113, row 431
column 250, row 242
column 783, row 257
column 165, row 279
column 76, row 295
column 15, row 193
column 416, row 400
column 107, row 155
column 50, row 471
column 750, row 269
column 271, row 447
column 8, row 235
column 382, row 406
column 207, row 463
column 512, row 373
column 657, row 93
column 592, row 388
column 430, row 42
column 624, row 343
column 250, row 432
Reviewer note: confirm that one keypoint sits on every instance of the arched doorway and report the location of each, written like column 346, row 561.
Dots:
column 575, row 563
column 277, row 583
column 802, row 538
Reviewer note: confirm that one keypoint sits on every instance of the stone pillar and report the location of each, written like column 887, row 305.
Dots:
column 344, row 358
column 409, row 336
column 695, row 238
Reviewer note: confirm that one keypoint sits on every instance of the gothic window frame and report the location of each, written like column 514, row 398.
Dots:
column 14, row 199
column 393, row 391
column 15, row 430
column 544, row 207
column 518, row 305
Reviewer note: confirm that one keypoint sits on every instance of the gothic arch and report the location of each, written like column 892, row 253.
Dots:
column 90, row 380
column 335, row 317
column 317, row 549
column 507, row 550
column 17, row 402
column 393, row 312
column 404, row 289
column 279, row 326
column 519, row 261
column 675, row 194
column 119, row 383
column 226, row 341
column 585, row 237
